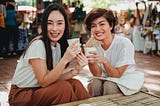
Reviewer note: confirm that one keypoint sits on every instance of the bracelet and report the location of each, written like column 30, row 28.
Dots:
column 74, row 73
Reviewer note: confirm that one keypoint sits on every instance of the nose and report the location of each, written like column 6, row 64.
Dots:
column 54, row 27
column 97, row 28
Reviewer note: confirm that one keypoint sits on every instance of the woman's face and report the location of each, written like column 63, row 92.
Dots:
column 100, row 28
column 56, row 26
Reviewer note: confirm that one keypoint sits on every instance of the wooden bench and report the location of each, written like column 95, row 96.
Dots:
column 142, row 98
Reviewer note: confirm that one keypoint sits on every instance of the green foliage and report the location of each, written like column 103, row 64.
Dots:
column 129, row 14
column 100, row 3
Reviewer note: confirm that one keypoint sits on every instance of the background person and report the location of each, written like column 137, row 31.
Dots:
column 114, row 59
column 38, row 78
column 3, row 37
column 129, row 26
column 12, row 30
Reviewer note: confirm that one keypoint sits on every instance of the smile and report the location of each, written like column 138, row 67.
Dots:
column 99, row 34
column 54, row 34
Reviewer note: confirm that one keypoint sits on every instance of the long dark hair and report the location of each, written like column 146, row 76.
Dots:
column 44, row 34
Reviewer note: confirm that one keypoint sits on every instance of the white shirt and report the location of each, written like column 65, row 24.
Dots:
column 121, row 52
column 24, row 75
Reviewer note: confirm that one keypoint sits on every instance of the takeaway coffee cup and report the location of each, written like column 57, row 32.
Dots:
column 70, row 41
column 87, row 50
column 77, row 40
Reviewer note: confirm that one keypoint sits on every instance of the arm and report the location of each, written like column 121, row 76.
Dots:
column 46, row 77
column 95, row 69
column 110, row 70
column 113, row 71
column 42, row 74
column 75, row 67
column 69, row 74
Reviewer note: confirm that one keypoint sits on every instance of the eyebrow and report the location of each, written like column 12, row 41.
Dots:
column 57, row 21
column 100, row 22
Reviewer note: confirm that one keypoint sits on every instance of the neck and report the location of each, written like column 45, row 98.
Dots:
column 53, row 44
column 107, row 42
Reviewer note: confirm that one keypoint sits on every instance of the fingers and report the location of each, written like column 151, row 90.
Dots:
column 82, row 62
column 93, row 58
column 93, row 52
column 72, row 51
column 81, row 59
column 96, row 58
column 81, row 55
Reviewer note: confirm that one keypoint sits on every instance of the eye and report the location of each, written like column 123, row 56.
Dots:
column 92, row 26
column 60, row 23
column 49, row 22
column 101, row 24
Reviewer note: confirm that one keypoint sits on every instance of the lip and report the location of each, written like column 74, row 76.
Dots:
column 99, row 34
column 54, row 35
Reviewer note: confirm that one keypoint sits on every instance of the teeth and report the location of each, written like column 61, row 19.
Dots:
column 99, row 34
column 55, row 34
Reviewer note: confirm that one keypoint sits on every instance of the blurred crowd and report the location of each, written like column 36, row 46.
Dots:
column 137, row 25
column 11, row 19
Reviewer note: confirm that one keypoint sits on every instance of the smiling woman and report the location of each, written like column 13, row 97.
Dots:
column 113, row 59
column 39, row 73
column 56, row 26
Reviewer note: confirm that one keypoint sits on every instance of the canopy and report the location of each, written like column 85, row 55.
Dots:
column 27, row 8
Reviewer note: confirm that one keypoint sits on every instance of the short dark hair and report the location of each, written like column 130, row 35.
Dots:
column 100, row 12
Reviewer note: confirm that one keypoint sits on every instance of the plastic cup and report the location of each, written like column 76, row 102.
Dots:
column 87, row 50
column 70, row 41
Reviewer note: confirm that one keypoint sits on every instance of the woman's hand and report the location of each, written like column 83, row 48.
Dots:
column 95, row 57
column 81, row 59
column 81, row 62
column 72, row 51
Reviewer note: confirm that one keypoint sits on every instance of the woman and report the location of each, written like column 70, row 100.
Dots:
column 129, row 26
column 3, row 38
column 38, row 78
column 114, row 59
column 11, row 30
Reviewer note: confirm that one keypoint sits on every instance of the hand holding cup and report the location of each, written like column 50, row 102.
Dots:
column 75, row 43
column 89, row 52
column 73, row 49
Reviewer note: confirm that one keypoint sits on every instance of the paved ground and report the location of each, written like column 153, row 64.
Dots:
column 148, row 64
